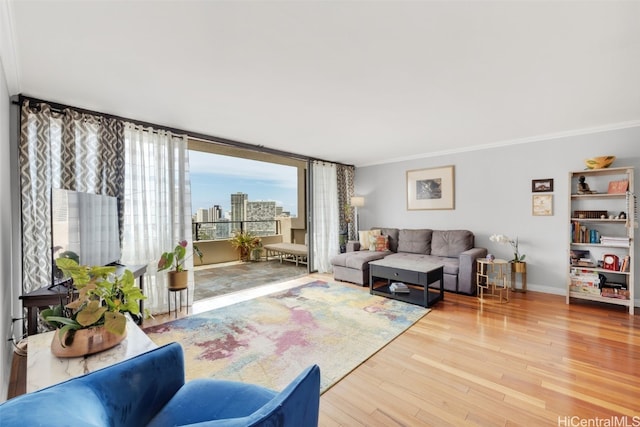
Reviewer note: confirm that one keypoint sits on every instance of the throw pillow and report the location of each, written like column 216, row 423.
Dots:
column 382, row 243
column 364, row 238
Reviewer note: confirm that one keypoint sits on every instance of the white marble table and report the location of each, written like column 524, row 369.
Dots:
column 45, row 369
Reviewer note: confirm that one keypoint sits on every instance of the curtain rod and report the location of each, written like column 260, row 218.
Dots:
column 207, row 138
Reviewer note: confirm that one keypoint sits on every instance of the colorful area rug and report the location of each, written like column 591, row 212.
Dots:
column 269, row 340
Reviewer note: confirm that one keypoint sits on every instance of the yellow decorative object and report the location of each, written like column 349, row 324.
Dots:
column 599, row 162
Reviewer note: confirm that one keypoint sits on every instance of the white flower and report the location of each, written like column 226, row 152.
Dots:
column 502, row 239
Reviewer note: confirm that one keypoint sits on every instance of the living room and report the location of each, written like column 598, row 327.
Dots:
column 548, row 136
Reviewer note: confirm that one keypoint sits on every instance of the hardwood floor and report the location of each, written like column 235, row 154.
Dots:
column 532, row 361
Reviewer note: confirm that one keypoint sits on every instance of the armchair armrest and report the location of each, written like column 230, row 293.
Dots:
column 353, row 246
column 127, row 394
column 467, row 271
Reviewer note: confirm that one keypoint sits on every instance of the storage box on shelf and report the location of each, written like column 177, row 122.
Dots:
column 601, row 247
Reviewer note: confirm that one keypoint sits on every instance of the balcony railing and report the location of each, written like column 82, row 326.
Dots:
column 222, row 230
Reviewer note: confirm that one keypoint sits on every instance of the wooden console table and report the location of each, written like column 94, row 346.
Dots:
column 48, row 296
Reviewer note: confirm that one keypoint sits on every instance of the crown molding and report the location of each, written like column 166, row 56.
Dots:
column 527, row 140
column 8, row 57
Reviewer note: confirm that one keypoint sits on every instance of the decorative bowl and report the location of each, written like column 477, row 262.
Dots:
column 599, row 162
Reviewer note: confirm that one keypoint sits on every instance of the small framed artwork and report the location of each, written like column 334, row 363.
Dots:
column 430, row 188
column 542, row 185
column 542, row 204
column 618, row 187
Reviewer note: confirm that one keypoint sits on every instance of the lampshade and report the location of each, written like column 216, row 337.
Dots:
column 357, row 201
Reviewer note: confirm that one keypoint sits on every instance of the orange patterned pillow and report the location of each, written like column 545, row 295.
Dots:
column 382, row 243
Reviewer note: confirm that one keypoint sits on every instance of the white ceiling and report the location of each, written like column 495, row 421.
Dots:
column 356, row 82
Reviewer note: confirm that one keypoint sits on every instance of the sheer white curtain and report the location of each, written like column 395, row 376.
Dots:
column 157, row 206
column 326, row 215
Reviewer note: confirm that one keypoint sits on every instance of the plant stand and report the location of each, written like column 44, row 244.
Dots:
column 176, row 292
column 519, row 268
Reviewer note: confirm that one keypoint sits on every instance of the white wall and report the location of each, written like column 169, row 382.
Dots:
column 493, row 195
column 6, row 276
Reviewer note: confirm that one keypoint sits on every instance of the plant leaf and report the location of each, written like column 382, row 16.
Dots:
column 91, row 314
column 115, row 322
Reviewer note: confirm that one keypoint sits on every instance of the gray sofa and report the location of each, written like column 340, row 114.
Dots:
column 455, row 249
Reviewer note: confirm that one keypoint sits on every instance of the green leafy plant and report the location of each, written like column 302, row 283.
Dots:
column 103, row 299
column 177, row 257
column 245, row 242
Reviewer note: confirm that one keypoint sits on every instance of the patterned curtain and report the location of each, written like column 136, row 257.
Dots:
column 67, row 150
column 345, row 191
column 158, row 206
column 35, row 181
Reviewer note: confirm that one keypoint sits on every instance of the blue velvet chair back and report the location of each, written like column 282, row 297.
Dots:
column 149, row 389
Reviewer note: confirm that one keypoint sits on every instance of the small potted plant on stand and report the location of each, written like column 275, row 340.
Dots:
column 95, row 321
column 517, row 263
column 178, row 276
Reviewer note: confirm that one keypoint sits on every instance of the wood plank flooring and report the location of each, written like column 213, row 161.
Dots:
column 532, row 361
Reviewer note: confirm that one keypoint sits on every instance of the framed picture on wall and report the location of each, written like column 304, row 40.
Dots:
column 542, row 185
column 542, row 204
column 430, row 188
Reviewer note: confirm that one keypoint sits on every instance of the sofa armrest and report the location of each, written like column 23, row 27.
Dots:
column 467, row 271
column 353, row 246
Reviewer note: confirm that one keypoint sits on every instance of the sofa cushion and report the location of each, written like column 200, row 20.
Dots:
column 451, row 243
column 364, row 236
column 382, row 243
column 358, row 260
column 415, row 241
column 392, row 233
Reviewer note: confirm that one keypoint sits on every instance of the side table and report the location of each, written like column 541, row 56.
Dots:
column 45, row 369
column 492, row 277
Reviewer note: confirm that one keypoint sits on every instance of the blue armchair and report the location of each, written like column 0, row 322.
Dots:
column 150, row 389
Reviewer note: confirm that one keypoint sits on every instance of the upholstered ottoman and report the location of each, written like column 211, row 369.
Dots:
column 354, row 266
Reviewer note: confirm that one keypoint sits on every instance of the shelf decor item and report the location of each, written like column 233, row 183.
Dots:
column 600, row 162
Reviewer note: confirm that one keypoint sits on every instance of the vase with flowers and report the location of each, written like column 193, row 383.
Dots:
column 502, row 239
column 175, row 260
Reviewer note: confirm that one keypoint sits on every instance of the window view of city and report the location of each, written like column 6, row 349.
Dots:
column 230, row 194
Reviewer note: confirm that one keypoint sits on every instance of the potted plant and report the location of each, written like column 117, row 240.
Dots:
column 245, row 242
column 518, row 263
column 96, row 319
column 175, row 259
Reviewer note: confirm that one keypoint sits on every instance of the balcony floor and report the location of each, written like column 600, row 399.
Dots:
column 221, row 279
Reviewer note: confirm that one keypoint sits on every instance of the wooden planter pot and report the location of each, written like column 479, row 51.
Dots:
column 178, row 279
column 84, row 342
